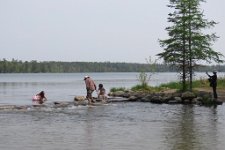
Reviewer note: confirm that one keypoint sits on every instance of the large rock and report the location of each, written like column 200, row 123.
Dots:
column 204, row 94
column 132, row 98
column 79, row 98
column 147, row 98
column 157, row 99
column 174, row 100
column 81, row 103
column 188, row 95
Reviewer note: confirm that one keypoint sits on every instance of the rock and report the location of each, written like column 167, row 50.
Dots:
column 175, row 100
column 61, row 104
column 157, row 99
column 132, row 98
column 218, row 102
column 203, row 94
column 146, row 98
column 187, row 101
column 167, row 98
column 178, row 99
column 82, row 103
column 197, row 100
column 79, row 98
column 188, row 96
column 176, row 94
column 7, row 107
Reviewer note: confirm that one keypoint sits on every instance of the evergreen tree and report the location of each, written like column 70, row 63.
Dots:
column 187, row 43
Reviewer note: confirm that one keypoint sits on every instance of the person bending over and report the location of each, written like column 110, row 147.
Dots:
column 90, row 87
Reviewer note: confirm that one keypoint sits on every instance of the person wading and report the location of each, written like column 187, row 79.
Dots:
column 39, row 98
column 213, row 83
column 90, row 86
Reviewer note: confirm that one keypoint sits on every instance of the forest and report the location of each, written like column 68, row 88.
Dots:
column 18, row 66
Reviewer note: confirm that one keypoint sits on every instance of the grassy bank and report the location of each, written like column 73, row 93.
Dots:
column 201, row 83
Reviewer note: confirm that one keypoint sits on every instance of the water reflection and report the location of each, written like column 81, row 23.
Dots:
column 194, row 128
column 128, row 126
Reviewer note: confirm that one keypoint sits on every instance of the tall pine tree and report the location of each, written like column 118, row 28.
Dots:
column 187, row 43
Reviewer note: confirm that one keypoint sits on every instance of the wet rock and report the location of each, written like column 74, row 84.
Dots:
column 203, row 94
column 178, row 99
column 146, row 98
column 7, row 107
column 173, row 102
column 157, row 99
column 79, row 98
column 217, row 102
column 176, row 94
column 188, row 96
column 61, row 104
column 167, row 98
column 82, row 103
column 132, row 98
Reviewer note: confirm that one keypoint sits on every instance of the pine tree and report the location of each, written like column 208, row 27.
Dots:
column 187, row 44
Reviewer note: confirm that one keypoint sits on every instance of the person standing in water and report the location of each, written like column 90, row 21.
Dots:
column 90, row 87
column 39, row 98
column 213, row 83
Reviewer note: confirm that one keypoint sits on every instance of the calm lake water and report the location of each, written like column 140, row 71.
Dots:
column 114, row 126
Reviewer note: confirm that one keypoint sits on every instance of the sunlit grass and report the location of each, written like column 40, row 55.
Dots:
column 201, row 83
column 115, row 89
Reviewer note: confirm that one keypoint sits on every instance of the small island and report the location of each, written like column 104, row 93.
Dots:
column 171, row 93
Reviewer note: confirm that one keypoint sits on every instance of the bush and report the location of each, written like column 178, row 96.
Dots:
column 142, row 87
column 117, row 89
column 171, row 85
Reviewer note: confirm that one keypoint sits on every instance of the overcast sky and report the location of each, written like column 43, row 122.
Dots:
column 91, row 30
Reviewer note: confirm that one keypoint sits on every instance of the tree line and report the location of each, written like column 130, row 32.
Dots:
column 18, row 66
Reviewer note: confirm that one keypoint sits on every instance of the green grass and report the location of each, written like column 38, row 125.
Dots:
column 221, row 82
column 147, row 88
column 171, row 85
column 117, row 89
column 201, row 83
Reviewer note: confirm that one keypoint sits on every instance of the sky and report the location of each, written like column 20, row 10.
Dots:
column 91, row 30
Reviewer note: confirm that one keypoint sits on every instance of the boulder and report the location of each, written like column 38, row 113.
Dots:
column 79, row 98
column 61, row 104
column 203, row 93
column 157, row 99
column 146, row 98
column 132, row 98
column 81, row 103
column 166, row 98
column 178, row 99
column 188, row 95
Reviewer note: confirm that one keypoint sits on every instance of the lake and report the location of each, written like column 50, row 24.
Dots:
column 19, row 88
column 120, row 126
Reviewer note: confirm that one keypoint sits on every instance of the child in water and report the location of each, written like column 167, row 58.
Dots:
column 102, row 93
column 39, row 98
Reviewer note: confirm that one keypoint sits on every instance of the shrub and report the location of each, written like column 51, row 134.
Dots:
column 117, row 89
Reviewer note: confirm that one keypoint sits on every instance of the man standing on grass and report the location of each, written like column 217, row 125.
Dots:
column 213, row 83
